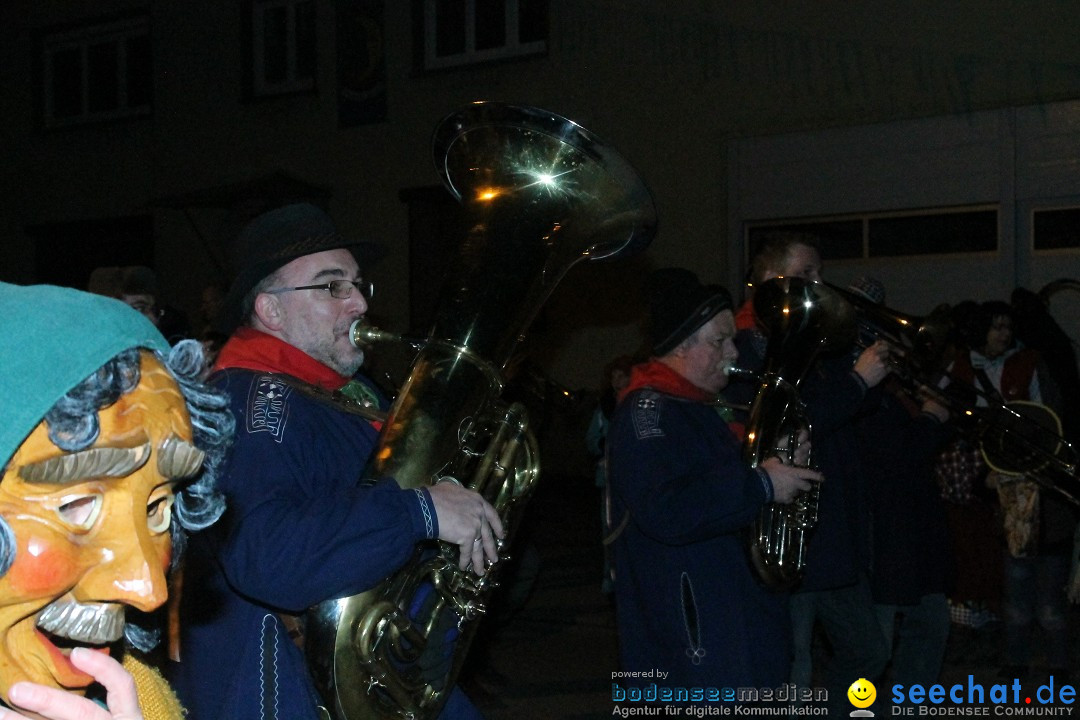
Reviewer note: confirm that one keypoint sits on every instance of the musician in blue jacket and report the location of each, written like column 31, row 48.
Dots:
column 687, row 603
column 300, row 527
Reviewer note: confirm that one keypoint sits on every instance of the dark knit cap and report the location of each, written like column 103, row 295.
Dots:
column 278, row 237
column 678, row 305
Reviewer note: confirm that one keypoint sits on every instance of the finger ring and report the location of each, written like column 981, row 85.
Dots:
column 475, row 540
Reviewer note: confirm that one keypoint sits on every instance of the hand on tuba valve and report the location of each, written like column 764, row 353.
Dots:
column 458, row 510
column 801, row 455
column 789, row 481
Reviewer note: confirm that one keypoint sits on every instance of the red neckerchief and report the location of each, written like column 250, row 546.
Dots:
column 253, row 349
column 658, row 376
column 746, row 319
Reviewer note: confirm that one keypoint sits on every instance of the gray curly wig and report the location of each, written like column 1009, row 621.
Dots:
column 73, row 425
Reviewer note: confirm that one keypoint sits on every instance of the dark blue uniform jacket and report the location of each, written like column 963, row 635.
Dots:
column 687, row 603
column 299, row 529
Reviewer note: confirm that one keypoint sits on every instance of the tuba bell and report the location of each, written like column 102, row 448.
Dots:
column 540, row 194
column 802, row 320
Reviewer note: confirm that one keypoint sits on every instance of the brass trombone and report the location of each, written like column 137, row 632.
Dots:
column 1019, row 438
column 917, row 345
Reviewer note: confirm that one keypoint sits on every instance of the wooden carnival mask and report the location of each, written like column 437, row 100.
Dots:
column 91, row 531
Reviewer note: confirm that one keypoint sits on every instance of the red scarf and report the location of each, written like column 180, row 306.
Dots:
column 658, row 376
column 746, row 318
column 253, row 349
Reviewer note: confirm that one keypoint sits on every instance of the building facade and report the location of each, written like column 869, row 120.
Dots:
column 147, row 132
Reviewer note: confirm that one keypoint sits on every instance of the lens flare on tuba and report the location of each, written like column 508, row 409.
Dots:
column 539, row 195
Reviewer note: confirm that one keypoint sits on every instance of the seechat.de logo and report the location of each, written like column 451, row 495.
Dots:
column 973, row 698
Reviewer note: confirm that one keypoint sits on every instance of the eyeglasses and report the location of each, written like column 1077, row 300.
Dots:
column 340, row 289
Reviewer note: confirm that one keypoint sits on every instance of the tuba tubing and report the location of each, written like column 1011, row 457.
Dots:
column 539, row 194
column 802, row 319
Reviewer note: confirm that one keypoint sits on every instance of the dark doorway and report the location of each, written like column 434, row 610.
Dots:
column 65, row 253
column 436, row 226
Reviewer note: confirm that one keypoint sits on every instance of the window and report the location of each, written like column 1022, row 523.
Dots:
column 462, row 32
column 282, row 46
column 922, row 232
column 839, row 239
column 97, row 72
column 937, row 233
column 1056, row 229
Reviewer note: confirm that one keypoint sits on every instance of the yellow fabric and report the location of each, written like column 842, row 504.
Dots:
column 156, row 697
column 1019, row 500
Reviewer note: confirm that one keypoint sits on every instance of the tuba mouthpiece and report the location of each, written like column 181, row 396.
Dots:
column 732, row 370
column 363, row 335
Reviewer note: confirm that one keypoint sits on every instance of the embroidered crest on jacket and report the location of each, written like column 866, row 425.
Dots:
column 267, row 409
column 646, row 415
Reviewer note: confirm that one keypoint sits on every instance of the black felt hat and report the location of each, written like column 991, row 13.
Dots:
column 278, row 237
column 678, row 305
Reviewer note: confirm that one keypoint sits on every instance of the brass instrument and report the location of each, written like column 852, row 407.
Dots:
column 1020, row 436
column 1047, row 291
column 802, row 319
column 540, row 194
column 1024, row 438
column 1017, row 438
column 917, row 344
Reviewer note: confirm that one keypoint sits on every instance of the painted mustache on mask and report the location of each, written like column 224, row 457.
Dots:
column 96, row 624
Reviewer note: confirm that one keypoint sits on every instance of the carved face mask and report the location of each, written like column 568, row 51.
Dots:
column 91, row 531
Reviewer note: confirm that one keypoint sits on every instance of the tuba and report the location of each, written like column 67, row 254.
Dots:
column 802, row 319
column 540, row 194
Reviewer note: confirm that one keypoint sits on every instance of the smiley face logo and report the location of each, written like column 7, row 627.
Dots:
column 862, row 693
